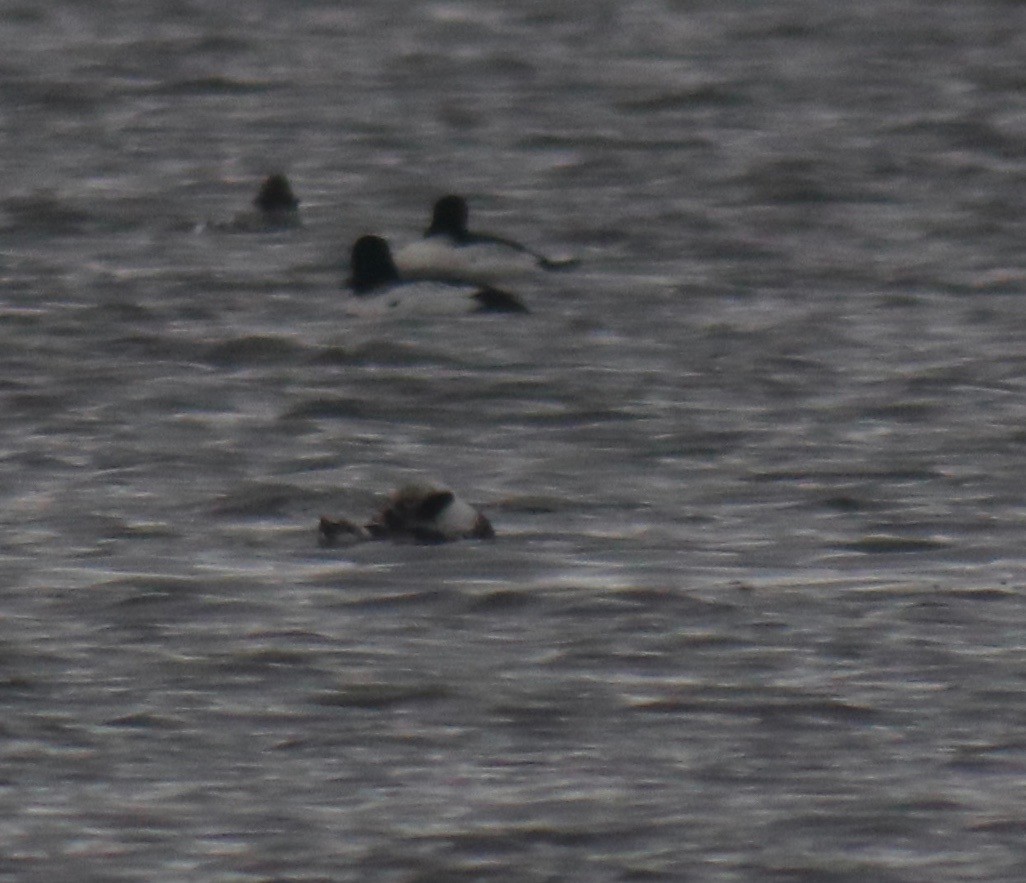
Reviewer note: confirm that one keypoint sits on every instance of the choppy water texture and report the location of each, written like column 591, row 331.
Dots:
column 755, row 611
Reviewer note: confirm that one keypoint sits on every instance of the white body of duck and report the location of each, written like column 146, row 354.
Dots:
column 417, row 513
column 450, row 251
column 378, row 289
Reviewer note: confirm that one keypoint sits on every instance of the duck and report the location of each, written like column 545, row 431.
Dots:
column 275, row 208
column 378, row 286
column 449, row 250
column 419, row 512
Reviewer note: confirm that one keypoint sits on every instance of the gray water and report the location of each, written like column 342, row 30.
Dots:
column 754, row 611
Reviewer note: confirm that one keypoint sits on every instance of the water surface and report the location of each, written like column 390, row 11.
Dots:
column 753, row 613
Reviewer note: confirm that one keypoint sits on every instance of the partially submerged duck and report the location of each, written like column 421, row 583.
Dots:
column 449, row 250
column 415, row 513
column 378, row 286
column 275, row 207
column 276, row 200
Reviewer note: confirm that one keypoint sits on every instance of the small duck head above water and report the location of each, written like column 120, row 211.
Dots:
column 422, row 512
column 449, row 218
column 371, row 266
column 276, row 196
column 274, row 209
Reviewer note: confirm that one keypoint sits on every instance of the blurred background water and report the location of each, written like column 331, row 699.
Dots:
column 754, row 612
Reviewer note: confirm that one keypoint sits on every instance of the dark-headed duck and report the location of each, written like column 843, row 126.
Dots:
column 449, row 250
column 275, row 208
column 418, row 513
column 378, row 287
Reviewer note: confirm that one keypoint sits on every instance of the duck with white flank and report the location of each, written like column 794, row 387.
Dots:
column 378, row 287
column 449, row 250
column 416, row 513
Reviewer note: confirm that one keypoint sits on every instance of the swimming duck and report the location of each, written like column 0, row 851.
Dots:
column 421, row 512
column 275, row 208
column 378, row 286
column 449, row 250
